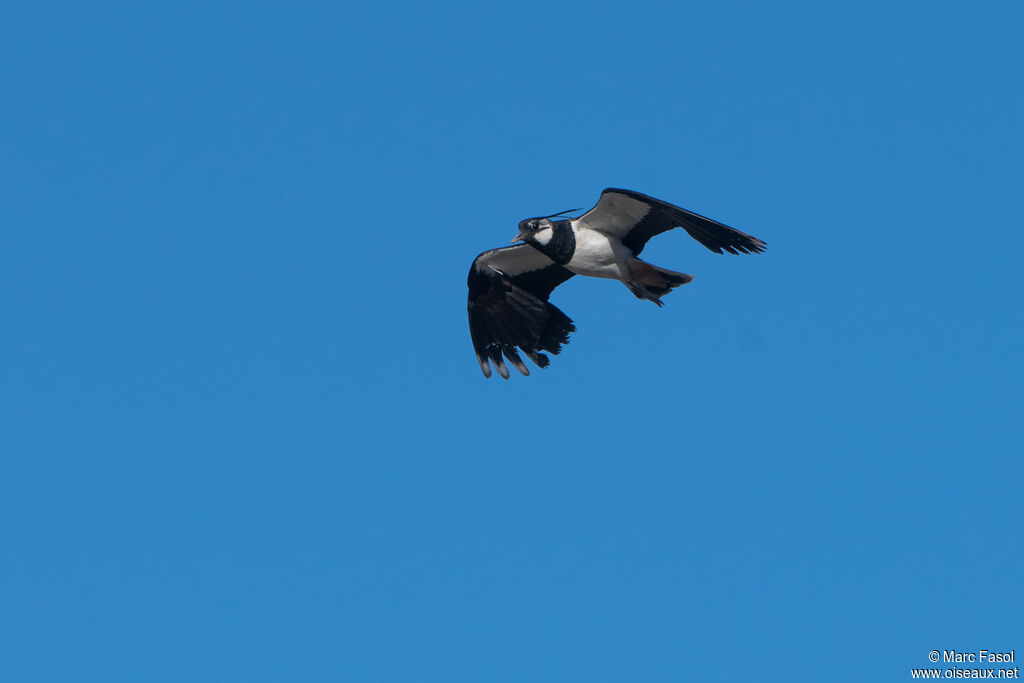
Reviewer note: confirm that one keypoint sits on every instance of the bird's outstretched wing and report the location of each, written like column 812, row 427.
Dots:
column 635, row 218
column 508, row 308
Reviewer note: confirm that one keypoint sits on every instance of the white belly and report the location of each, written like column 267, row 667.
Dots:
column 597, row 256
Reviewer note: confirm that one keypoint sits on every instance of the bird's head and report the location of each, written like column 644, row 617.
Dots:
column 535, row 230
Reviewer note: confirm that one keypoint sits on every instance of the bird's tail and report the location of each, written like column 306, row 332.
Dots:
column 651, row 282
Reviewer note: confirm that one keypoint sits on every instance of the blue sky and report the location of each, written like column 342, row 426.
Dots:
column 244, row 435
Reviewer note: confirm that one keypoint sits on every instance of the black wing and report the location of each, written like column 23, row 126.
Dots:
column 508, row 308
column 635, row 218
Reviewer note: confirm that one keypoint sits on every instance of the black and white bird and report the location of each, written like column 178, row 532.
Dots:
column 509, row 287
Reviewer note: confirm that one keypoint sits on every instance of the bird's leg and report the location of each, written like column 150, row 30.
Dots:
column 641, row 292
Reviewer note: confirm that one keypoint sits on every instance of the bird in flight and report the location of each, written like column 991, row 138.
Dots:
column 509, row 287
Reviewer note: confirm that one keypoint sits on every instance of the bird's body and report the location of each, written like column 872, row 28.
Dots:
column 592, row 252
column 509, row 287
column 584, row 252
column 598, row 255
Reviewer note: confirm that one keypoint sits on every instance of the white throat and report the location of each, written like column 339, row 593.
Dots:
column 543, row 236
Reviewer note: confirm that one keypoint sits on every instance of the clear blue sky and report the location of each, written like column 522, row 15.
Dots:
column 244, row 436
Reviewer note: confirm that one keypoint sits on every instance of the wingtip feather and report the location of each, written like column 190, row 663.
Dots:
column 485, row 366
